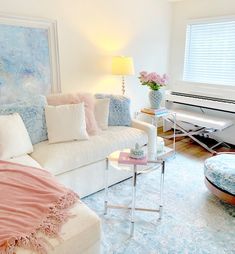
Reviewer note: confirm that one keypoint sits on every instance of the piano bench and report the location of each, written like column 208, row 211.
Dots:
column 205, row 124
column 203, row 120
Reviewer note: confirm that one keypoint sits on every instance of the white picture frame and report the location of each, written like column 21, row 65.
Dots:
column 25, row 28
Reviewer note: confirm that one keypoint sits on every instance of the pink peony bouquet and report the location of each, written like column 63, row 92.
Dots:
column 153, row 80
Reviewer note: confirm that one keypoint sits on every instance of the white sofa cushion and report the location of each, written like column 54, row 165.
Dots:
column 62, row 157
column 66, row 123
column 14, row 138
column 25, row 160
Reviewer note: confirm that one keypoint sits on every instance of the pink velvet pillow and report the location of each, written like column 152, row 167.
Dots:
column 74, row 98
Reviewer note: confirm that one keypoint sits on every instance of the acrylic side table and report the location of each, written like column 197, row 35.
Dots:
column 112, row 160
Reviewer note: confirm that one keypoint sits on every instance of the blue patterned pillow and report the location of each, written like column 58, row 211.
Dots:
column 119, row 109
column 32, row 111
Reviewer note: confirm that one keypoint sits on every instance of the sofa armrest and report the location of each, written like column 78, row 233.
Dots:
column 152, row 135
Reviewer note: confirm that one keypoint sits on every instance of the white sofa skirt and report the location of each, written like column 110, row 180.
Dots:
column 90, row 178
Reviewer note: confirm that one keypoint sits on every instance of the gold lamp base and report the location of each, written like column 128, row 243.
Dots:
column 123, row 85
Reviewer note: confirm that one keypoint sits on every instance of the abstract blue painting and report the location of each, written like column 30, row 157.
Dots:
column 25, row 63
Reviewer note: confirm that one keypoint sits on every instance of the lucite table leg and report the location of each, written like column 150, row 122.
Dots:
column 174, row 118
column 106, row 187
column 161, row 190
column 156, row 125
column 133, row 200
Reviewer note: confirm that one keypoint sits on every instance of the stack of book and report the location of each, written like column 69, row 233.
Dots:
column 124, row 158
column 153, row 111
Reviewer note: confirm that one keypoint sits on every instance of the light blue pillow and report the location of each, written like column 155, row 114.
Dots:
column 32, row 112
column 119, row 109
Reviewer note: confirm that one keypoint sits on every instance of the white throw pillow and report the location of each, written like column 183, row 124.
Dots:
column 102, row 113
column 66, row 123
column 14, row 138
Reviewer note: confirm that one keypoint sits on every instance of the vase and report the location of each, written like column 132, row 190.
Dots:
column 155, row 98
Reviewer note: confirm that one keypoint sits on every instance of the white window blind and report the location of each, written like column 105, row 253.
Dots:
column 210, row 53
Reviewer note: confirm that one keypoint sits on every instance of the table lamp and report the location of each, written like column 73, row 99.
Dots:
column 123, row 66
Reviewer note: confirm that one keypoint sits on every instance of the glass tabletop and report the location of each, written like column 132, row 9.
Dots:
column 113, row 161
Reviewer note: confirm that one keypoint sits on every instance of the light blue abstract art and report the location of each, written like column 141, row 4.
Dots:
column 26, row 59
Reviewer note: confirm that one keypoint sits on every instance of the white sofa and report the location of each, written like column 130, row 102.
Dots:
column 80, row 165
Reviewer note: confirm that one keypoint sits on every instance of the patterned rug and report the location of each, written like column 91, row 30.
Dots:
column 194, row 221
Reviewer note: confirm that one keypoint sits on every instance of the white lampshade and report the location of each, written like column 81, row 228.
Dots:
column 122, row 65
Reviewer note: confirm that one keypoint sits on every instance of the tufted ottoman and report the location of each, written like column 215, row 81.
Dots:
column 220, row 176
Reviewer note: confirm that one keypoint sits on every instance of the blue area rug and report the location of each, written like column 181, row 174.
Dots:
column 194, row 221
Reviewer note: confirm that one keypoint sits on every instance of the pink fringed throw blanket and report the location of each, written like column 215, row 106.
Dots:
column 31, row 201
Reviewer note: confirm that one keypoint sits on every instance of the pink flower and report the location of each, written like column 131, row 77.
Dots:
column 143, row 76
column 152, row 78
column 143, row 73
column 165, row 79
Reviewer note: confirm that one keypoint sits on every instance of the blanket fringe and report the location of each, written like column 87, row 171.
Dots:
column 50, row 226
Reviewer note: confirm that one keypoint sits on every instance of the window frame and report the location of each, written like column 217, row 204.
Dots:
column 209, row 20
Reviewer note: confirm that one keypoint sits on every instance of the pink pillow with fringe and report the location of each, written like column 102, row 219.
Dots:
column 74, row 98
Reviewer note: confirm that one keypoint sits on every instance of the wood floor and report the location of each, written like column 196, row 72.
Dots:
column 187, row 146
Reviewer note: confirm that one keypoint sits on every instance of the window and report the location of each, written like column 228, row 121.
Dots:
column 210, row 52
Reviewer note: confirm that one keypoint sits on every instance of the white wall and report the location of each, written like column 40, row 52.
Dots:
column 195, row 9
column 92, row 31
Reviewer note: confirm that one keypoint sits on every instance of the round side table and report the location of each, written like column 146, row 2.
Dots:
column 151, row 165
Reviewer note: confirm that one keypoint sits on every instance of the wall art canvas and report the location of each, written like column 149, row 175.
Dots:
column 29, row 61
